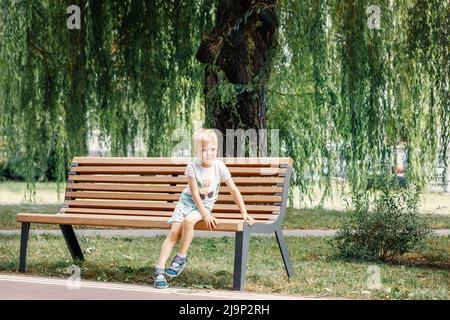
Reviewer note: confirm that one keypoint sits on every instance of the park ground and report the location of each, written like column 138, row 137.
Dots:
column 422, row 274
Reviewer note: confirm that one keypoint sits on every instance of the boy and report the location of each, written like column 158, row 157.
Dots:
column 204, row 173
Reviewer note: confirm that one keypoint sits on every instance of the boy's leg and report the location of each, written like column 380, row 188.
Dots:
column 188, row 231
column 159, row 279
column 180, row 260
column 168, row 244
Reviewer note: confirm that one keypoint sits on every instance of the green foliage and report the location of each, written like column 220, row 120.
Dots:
column 339, row 93
column 224, row 93
column 392, row 228
column 129, row 71
column 345, row 96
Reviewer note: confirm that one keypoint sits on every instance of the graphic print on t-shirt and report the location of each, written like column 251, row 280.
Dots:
column 206, row 189
column 208, row 179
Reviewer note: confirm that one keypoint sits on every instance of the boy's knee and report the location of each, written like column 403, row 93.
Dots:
column 174, row 235
column 189, row 223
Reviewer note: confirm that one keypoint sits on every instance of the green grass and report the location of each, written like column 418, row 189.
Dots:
column 13, row 192
column 20, row 186
column 424, row 274
column 295, row 218
column 314, row 218
column 8, row 214
column 333, row 219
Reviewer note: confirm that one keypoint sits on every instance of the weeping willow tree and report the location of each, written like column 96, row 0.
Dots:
column 130, row 70
column 237, row 55
column 343, row 95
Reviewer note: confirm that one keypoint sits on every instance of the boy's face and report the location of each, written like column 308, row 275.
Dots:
column 208, row 153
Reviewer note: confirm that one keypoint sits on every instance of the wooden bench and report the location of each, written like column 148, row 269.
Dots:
column 142, row 193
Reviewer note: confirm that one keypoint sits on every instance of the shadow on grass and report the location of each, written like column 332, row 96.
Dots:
column 430, row 261
column 438, row 260
column 203, row 279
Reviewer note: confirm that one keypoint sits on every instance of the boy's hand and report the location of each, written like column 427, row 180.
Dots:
column 248, row 219
column 211, row 222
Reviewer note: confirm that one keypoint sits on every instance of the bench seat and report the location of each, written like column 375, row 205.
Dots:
column 149, row 222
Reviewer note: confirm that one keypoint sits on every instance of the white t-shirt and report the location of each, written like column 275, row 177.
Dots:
column 208, row 179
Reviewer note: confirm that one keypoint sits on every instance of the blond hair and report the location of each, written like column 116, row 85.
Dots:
column 202, row 137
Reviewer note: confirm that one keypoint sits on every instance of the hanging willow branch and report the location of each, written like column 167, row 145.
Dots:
column 354, row 93
column 374, row 90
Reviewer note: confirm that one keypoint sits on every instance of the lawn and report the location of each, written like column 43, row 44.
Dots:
column 295, row 218
column 8, row 214
column 424, row 274
column 12, row 193
column 333, row 219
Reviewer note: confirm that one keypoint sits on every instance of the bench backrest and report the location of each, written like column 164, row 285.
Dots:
column 152, row 186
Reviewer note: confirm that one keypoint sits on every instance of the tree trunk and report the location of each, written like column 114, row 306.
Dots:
column 76, row 77
column 236, row 52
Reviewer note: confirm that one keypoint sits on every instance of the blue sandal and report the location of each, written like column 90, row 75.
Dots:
column 176, row 267
column 159, row 279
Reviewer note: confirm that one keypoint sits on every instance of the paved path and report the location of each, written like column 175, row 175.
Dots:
column 25, row 287
column 198, row 233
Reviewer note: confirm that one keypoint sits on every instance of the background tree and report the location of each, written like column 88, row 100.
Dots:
column 237, row 54
column 342, row 94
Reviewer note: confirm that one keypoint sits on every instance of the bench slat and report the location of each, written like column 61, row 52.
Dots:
column 171, row 180
column 164, row 197
column 167, row 161
column 120, row 221
column 148, row 205
column 235, row 171
column 167, row 189
column 113, row 189
column 221, row 215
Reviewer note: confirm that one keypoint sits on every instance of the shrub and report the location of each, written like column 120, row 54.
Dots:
column 14, row 167
column 391, row 228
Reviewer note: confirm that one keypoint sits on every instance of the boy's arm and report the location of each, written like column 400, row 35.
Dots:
column 210, row 221
column 237, row 197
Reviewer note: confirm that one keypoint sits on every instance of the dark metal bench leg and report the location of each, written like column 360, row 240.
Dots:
column 240, row 259
column 72, row 242
column 284, row 252
column 25, row 232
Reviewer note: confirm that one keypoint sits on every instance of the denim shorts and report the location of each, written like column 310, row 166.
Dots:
column 186, row 206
